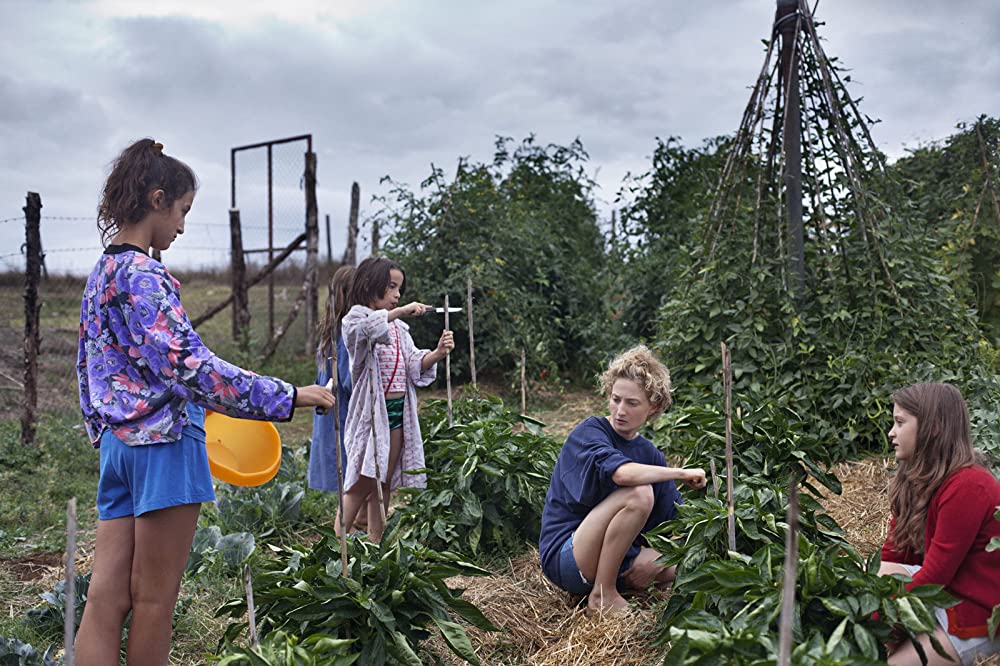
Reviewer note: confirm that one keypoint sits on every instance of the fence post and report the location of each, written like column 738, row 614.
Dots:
column 329, row 246
column 32, row 312
column 375, row 236
column 241, row 300
column 312, row 253
column 351, row 253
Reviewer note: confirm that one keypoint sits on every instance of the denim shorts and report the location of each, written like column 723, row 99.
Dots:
column 968, row 649
column 572, row 579
column 138, row 479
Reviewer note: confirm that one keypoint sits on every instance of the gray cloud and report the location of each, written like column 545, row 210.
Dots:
column 391, row 89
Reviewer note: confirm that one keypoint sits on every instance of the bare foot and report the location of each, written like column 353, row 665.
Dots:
column 598, row 603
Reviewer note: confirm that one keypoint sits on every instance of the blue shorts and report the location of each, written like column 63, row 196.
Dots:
column 139, row 479
column 572, row 579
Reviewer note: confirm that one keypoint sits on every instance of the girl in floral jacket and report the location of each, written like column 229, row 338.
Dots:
column 145, row 380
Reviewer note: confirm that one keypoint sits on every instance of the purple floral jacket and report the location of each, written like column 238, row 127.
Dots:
column 140, row 360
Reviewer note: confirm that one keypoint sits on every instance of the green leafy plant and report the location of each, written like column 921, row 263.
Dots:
column 271, row 511
column 486, row 481
column 49, row 620
column 395, row 592
column 210, row 549
column 770, row 439
column 729, row 608
column 15, row 653
column 280, row 648
column 699, row 530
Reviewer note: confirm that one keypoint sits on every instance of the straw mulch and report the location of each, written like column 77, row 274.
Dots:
column 862, row 509
column 543, row 626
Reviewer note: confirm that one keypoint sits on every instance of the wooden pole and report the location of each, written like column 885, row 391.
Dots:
column 241, row 301
column 337, row 440
column 375, row 236
column 727, row 382
column 447, row 362
column 32, row 316
column 351, row 252
column 472, row 339
column 312, row 255
column 329, row 245
column 787, row 22
column 715, row 478
column 251, row 614
column 372, row 378
column 270, row 239
column 786, row 622
column 69, row 625
column 524, row 391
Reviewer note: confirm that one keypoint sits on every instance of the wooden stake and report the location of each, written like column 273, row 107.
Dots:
column 472, row 341
column 337, row 438
column 251, row 615
column 447, row 362
column 524, row 392
column 69, row 627
column 715, row 478
column 372, row 376
column 727, row 383
column 791, row 573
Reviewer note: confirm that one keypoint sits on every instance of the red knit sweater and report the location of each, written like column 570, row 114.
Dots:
column 960, row 524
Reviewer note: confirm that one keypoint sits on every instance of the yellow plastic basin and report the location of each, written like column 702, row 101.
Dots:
column 241, row 451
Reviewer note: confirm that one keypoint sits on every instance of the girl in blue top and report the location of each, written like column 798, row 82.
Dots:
column 609, row 486
column 145, row 381
column 323, row 449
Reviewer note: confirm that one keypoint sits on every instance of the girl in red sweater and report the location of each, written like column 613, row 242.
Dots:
column 943, row 499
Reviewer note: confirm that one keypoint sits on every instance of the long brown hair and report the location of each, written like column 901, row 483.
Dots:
column 336, row 308
column 140, row 170
column 943, row 446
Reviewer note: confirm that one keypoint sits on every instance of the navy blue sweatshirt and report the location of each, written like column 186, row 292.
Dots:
column 582, row 480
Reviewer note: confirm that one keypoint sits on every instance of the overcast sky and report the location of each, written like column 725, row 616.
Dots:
column 390, row 87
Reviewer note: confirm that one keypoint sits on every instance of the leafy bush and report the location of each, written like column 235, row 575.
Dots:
column 486, row 483
column 728, row 610
column 283, row 649
column 394, row 592
column 769, row 439
column 15, row 653
column 524, row 229
column 210, row 549
column 269, row 511
column 699, row 530
column 50, row 619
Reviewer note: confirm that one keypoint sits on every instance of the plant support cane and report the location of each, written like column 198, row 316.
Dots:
column 447, row 363
column 372, row 376
column 727, row 383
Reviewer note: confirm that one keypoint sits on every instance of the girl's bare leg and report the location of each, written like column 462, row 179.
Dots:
column 109, row 598
column 906, row 655
column 603, row 538
column 162, row 545
column 356, row 499
column 375, row 525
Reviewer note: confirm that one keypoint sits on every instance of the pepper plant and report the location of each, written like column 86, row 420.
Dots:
column 395, row 595
column 486, row 480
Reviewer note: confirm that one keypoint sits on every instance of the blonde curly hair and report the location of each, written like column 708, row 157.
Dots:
column 642, row 367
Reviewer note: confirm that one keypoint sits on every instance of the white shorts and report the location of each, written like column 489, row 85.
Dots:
column 968, row 649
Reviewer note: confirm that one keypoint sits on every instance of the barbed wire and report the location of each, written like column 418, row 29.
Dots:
column 11, row 219
column 76, row 218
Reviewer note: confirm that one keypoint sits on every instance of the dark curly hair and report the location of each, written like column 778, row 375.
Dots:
column 141, row 169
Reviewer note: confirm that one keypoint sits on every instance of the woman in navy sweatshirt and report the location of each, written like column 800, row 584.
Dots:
column 609, row 486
